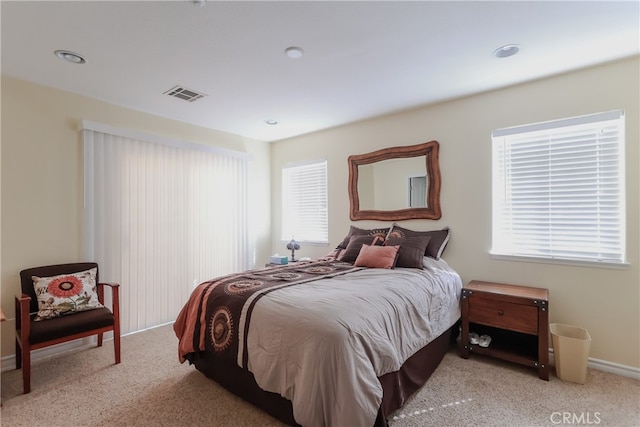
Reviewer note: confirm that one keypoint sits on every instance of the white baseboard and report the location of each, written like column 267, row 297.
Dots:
column 606, row 366
column 615, row 368
column 9, row 362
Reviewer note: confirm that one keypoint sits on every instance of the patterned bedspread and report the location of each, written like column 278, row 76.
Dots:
column 320, row 334
column 209, row 321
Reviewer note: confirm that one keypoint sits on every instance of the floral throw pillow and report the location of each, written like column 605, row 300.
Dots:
column 66, row 294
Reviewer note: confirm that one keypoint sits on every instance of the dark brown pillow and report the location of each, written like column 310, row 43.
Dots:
column 437, row 244
column 353, row 248
column 412, row 250
column 355, row 231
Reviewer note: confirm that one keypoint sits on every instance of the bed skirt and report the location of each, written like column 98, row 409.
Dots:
column 397, row 386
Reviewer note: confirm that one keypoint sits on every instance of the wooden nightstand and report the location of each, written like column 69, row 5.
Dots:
column 515, row 317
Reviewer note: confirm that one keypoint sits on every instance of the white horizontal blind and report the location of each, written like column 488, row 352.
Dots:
column 159, row 219
column 304, row 202
column 558, row 189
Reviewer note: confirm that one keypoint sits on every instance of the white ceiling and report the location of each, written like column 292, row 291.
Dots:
column 361, row 59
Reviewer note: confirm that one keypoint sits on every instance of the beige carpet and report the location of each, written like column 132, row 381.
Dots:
column 150, row 388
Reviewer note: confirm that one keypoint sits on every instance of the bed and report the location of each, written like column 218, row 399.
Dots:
column 325, row 342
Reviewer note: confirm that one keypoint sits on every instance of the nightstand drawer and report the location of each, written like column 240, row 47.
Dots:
column 501, row 314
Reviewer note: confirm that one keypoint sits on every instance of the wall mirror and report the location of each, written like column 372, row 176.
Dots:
column 396, row 183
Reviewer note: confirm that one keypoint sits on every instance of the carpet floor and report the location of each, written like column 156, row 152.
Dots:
column 151, row 388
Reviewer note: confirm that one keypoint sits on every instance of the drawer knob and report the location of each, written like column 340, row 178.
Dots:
column 500, row 312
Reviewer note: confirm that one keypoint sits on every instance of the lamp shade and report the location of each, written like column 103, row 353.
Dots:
column 293, row 246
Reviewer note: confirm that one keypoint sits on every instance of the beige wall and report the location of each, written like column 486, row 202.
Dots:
column 604, row 301
column 42, row 177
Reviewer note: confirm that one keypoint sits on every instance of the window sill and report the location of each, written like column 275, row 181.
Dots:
column 558, row 261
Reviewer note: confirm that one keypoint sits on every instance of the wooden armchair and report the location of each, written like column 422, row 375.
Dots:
column 32, row 334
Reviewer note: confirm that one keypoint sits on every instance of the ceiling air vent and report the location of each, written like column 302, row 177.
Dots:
column 184, row 93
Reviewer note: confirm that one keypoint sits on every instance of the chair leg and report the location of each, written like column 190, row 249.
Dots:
column 23, row 360
column 116, row 338
column 100, row 340
column 116, row 346
column 26, row 370
column 18, row 355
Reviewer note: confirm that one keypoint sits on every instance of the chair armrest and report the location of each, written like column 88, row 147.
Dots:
column 23, row 321
column 115, row 295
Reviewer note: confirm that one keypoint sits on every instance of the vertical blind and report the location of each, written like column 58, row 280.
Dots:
column 558, row 189
column 304, row 202
column 161, row 218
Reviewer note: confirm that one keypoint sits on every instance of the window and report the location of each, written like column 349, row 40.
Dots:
column 558, row 190
column 304, row 202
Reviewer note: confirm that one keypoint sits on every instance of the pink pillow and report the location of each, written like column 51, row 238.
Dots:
column 377, row 256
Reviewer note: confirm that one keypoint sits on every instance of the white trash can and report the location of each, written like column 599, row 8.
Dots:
column 571, row 352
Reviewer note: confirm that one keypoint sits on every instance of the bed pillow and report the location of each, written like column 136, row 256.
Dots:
column 437, row 244
column 355, row 244
column 412, row 250
column 66, row 294
column 377, row 256
column 355, row 231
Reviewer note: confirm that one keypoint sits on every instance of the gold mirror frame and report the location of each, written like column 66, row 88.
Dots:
column 428, row 149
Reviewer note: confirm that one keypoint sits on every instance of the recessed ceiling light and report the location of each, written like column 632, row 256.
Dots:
column 271, row 122
column 506, row 51
column 294, row 52
column 68, row 56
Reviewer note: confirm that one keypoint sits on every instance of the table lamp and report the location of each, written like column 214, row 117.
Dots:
column 293, row 246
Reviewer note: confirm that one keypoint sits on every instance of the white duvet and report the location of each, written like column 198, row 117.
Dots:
column 323, row 344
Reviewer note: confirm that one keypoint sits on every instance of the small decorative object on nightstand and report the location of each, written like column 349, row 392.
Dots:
column 293, row 246
column 516, row 318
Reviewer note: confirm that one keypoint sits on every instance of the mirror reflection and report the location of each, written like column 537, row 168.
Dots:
column 418, row 191
column 393, row 184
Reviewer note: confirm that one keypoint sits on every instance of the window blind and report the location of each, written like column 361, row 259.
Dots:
column 304, row 202
column 558, row 189
column 160, row 218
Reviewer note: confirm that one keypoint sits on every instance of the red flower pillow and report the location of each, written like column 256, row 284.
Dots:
column 66, row 294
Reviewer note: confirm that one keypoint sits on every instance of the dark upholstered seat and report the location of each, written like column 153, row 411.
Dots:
column 32, row 335
column 72, row 324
